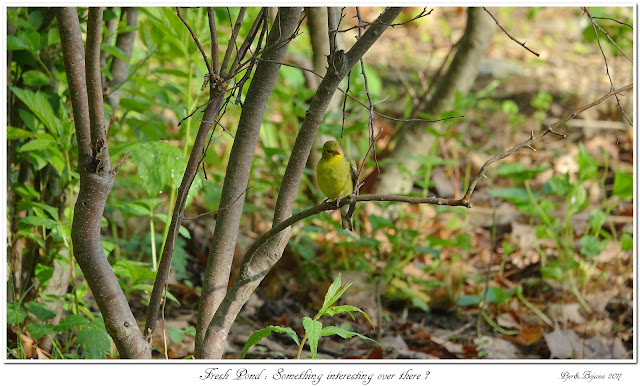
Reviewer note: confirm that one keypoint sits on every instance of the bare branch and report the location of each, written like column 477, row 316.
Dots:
column 523, row 44
column 120, row 68
column 366, row 24
column 232, row 42
column 612, row 19
column 195, row 39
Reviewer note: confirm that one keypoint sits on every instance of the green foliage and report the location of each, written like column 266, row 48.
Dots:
column 313, row 328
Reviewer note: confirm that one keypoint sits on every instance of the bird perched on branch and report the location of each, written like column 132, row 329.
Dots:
column 337, row 177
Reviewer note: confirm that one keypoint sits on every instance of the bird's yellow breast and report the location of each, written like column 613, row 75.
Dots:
column 334, row 177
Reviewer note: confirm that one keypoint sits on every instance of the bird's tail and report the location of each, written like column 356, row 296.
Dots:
column 347, row 223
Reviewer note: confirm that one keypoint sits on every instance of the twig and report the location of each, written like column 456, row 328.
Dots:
column 595, row 31
column 372, row 137
column 232, row 41
column 195, row 39
column 523, row 44
column 362, row 103
column 422, row 14
column 219, row 209
column 612, row 19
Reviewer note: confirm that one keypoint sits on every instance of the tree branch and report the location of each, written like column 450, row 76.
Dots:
column 522, row 44
column 94, row 81
column 232, row 42
column 195, row 39
column 73, row 55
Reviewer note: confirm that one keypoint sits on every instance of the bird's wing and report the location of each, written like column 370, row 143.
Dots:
column 354, row 174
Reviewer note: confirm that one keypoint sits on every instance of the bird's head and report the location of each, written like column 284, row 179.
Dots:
column 331, row 149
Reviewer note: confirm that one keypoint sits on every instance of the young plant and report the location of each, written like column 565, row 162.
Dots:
column 313, row 327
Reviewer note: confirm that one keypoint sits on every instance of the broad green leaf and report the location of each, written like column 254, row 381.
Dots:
column 38, row 330
column 15, row 43
column 160, row 164
column 16, row 133
column 587, row 166
column 39, row 105
column 312, row 328
column 556, row 185
column 38, row 221
column 597, row 218
column 378, row 222
column 26, row 205
column 35, row 78
column 40, row 310
column 627, row 242
column 591, row 246
column 623, row 186
column 514, row 195
column 257, row 336
column 70, row 322
column 15, row 314
column 43, row 273
column 37, row 144
column 115, row 51
column 519, row 171
column 577, row 199
column 95, row 340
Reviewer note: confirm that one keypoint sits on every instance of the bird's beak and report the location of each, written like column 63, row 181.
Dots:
column 336, row 152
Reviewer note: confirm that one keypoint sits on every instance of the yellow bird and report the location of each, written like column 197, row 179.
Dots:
column 337, row 177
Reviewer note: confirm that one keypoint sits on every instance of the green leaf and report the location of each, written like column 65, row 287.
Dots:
column 149, row 288
column 37, row 144
column 591, row 246
column 343, row 333
column 115, row 51
column 516, row 196
column 70, row 322
column 175, row 334
column 15, row 313
column 587, row 166
column 627, row 242
column 26, row 205
column 378, row 222
column 38, row 330
column 519, row 171
column 43, row 273
column 95, row 340
column 39, row 105
column 334, row 292
column 160, row 164
column 40, row 310
column 257, row 336
column 559, row 186
column 577, row 199
column 330, row 311
column 623, row 186
column 38, row 221
column 15, row 43
column 597, row 218
column 35, row 78
column 16, row 133
column 312, row 328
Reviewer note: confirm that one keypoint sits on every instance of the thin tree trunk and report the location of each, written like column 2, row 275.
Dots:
column 96, row 179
